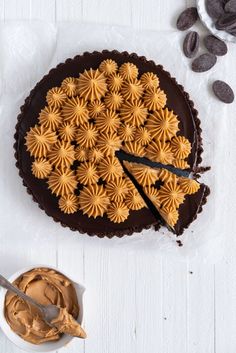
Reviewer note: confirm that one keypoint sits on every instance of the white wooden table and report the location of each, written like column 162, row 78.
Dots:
column 136, row 302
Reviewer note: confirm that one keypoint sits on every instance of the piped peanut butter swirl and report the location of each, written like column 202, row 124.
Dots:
column 134, row 148
column 127, row 132
column 163, row 124
column 134, row 201
column 62, row 154
column 39, row 141
column 117, row 189
column 118, row 212
column 171, row 195
column 68, row 203
column 41, row 168
column 108, row 67
column 170, row 215
column 189, row 186
column 50, row 118
column 110, row 169
column 154, row 99
column 95, row 108
column 149, row 80
column 93, row 201
column 133, row 113
column 87, row 135
column 56, row 97
column 70, row 86
column 62, row 182
column 95, row 155
column 128, row 71
column 115, row 82
column 109, row 143
column 132, row 90
column 159, row 151
column 87, row 173
column 113, row 100
column 92, row 85
column 181, row 147
column 75, row 111
column 108, row 121
column 67, row 131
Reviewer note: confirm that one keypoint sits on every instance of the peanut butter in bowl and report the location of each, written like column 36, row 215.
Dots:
column 47, row 286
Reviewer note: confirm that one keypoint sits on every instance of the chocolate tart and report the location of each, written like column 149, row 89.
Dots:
column 178, row 101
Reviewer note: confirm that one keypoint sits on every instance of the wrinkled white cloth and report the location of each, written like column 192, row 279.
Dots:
column 29, row 50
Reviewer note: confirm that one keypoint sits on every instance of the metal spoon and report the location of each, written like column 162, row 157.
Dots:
column 49, row 312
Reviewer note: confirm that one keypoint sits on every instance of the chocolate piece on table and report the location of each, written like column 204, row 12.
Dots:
column 230, row 6
column 191, row 44
column 215, row 46
column 204, row 62
column 223, row 91
column 187, row 18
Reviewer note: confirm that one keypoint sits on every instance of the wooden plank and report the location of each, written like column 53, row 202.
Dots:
column 225, row 306
column 174, row 306
column 200, row 307
column 43, row 10
column 156, row 15
column 110, row 299
column 67, row 10
column 107, row 12
column 70, row 258
column 143, row 14
column 15, row 9
column 2, row 9
column 149, row 310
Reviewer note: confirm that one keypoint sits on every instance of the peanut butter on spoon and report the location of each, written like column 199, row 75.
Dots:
column 65, row 323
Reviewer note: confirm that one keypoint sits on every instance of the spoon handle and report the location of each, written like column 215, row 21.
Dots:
column 7, row 285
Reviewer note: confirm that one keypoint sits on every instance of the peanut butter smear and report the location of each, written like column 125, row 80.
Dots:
column 65, row 323
column 47, row 287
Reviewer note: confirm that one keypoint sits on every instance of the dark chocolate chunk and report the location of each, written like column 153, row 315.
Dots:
column 223, row 91
column 233, row 32
column 191, row 44
column 230, row 6
column 204, row 62
column 215, row 45
column 215, row 8
column 226, row 22
column 187, row 18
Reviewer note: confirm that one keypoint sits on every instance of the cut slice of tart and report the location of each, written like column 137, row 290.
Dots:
column 174, row 199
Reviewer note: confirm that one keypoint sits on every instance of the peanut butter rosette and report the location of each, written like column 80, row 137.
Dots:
column 91, row 117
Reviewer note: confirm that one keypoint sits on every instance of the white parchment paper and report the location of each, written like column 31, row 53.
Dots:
column 29, row 50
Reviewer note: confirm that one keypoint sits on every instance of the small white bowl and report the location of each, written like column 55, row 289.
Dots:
column 209, row 23
column 43, row 347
